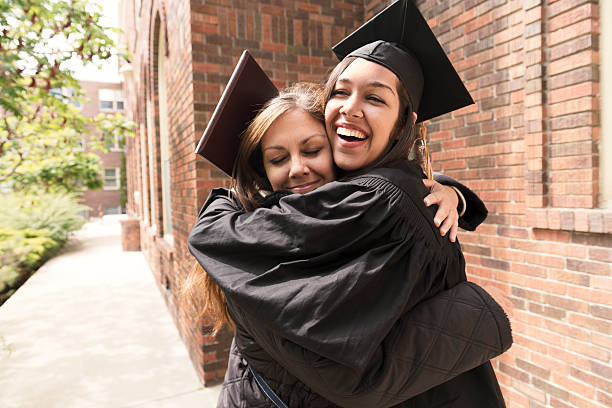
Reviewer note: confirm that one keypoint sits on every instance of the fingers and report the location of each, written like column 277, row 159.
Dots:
column 437, row 194
column 429, row 183
column 453, row 232
column 450, row 224
column 442, row 215
column 446, row 217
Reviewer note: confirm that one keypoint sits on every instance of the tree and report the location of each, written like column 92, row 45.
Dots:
column 41, row 130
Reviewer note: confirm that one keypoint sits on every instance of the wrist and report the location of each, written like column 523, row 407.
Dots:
column 461, row 205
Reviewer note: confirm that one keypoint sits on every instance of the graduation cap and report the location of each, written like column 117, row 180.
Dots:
column 247, row 90
column 400, row 39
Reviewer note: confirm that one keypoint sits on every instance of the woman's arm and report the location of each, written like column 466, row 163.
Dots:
column 300, row 302
column 475, row 210
column 425, row 348
column 346, row 259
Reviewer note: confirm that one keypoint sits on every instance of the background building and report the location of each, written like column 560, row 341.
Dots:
column 105, row 97
column 535, row 146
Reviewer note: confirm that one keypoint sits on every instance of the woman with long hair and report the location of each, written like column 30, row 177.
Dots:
column 334, row 291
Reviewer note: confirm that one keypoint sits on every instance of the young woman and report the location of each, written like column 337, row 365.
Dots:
column 286, row 148
column 338, row 294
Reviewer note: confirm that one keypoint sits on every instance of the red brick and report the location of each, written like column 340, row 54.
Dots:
column 549, row 363
column 575, row 30
column 303, row 59
column 555, row 403
column 508, row 34
column 601, row 254
column 205, row 28
column 572, row 62
column 573, row 385
column 463, row 18
column 272, row 10
column 573, row 92
column 478, row 22
column 309, row 7
column 322, row 18
column 277, row 47
column 570, row 17
column 598, row 325
column 586, row 103
column 532, row 345
column 587, row 377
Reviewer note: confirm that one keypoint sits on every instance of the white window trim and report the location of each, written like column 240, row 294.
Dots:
column 67, row 94
column 116, row 147
column 117, row 178
column 117, row 97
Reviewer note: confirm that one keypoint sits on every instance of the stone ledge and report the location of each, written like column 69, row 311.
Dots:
column 571, row 219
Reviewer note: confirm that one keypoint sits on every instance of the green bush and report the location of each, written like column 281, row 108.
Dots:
column 33, row 228
column 21, row 252
column 58, row 213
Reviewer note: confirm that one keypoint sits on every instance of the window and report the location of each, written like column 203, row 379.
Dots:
column 111, row 99
column 115, row 145
column 106, row 105
column 111, row 179
column 112, row 210
column 67, row 95
column 164, row 138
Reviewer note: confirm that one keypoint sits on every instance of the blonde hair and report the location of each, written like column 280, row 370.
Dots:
column 249, row 178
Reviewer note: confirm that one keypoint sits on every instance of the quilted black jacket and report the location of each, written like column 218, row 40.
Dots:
column 428, row 345
column 322, row 285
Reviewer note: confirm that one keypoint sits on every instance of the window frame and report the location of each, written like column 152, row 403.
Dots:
column 117, row 179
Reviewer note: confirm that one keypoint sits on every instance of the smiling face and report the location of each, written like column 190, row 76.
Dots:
column 296, row 153
column 361, row 114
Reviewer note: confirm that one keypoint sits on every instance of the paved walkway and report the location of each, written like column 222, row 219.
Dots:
column 90, row 329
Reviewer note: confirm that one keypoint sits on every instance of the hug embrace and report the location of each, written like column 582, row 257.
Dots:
column 334, row 257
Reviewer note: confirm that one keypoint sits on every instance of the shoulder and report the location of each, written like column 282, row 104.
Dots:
column 402, row 179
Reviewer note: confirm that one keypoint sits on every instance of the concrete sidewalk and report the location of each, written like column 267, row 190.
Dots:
column 90, row 329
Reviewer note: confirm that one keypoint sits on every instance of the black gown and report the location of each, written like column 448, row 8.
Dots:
column 324, row 283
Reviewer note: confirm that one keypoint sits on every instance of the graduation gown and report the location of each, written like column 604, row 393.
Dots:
column 324, row 282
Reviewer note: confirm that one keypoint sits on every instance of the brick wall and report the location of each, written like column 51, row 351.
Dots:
column 528, row 147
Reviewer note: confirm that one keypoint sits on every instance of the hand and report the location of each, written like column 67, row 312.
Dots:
column 500, row 297
column 447, row 217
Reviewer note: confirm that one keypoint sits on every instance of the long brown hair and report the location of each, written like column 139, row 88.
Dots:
column 403, row 135
column 249, row 179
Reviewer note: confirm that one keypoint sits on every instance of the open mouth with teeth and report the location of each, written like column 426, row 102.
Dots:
column 351, row 135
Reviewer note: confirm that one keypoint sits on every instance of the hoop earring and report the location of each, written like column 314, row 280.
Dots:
column 426, row 160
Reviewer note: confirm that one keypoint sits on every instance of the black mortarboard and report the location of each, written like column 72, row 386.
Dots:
column 247, row 90
column 400, row 39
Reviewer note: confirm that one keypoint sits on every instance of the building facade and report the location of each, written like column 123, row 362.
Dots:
column 534, row 146
column 104, row 97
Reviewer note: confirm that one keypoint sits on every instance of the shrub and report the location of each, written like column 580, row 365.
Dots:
column 57, row 213
column 33, row 227
column 21, row 252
